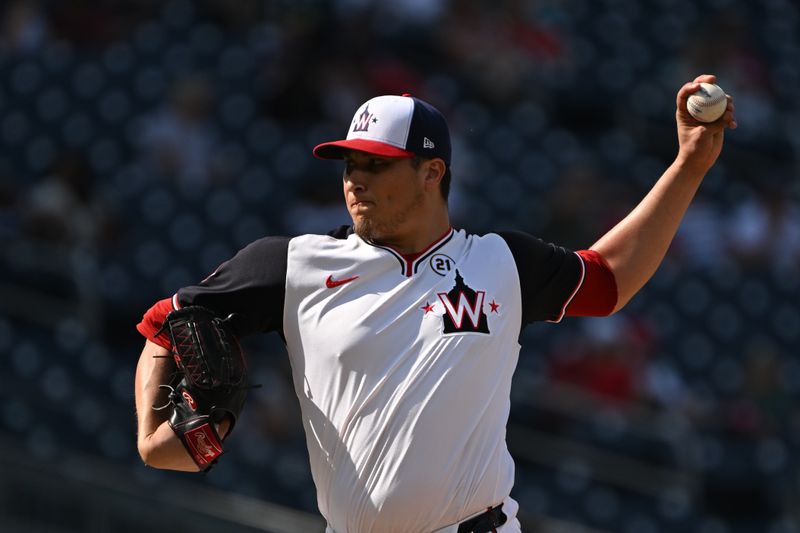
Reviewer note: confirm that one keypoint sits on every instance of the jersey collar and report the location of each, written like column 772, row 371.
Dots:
column 409, row 263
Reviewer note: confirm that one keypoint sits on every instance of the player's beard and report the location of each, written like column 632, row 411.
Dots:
column 382, row 230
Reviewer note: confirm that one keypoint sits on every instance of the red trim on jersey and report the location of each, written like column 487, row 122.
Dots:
column 407, row 261
column 597, row 295
column 410, row 258
column 152, row 321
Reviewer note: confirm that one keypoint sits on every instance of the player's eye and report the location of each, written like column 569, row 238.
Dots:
column 376, row 165
column 371, row 165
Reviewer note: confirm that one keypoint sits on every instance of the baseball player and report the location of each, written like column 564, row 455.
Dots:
column 402, row 331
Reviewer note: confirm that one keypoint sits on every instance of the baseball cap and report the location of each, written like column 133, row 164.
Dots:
column 393, row 126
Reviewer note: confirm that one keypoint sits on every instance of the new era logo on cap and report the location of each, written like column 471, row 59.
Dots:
column 393, row 126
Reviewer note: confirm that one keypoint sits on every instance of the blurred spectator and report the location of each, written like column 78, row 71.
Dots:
column 700, row 242
column 764, row 229
column 275, row 412
column 402, row 12
column 608, row 361
column 305, row 62
column 580, row 185
column 24, row 27
column 96, row 24
column 763, row 406
column 538, row 29
column 65, row 210
column 319, row 210
column 9, row 211
column 339, row 80
column 520, row 42
column 179, row 142
column 388, row 75
column 664, row 385
column 494, row 69
column 749, row 486
column 239, row 16
column 726, row 46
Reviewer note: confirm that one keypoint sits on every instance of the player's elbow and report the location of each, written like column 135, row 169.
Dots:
column 624, row 295
column 148, row 453
column 153, row 455
column 621, row 302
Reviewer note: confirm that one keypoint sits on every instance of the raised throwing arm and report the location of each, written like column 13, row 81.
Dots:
column 635, row 247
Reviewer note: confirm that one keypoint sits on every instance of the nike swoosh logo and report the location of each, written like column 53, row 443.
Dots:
column 332, row 283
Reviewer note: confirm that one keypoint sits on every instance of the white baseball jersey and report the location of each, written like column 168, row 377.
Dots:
column 402, row 365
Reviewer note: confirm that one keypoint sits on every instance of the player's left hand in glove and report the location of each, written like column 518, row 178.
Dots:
column 211, row 381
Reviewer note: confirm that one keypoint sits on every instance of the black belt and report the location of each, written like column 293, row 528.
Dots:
column 484, row 522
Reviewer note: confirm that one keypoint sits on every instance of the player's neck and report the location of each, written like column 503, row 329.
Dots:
column 421, row 234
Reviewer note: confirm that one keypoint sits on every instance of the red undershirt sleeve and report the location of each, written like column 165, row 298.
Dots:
column 152, row 321
column 597, row 296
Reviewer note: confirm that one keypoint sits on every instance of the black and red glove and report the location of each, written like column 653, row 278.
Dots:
column 211, row 383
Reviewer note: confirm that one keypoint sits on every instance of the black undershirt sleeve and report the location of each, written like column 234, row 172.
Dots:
column 549, row 276
column 252, row 285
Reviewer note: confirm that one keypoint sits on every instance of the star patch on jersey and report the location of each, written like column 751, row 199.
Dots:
column 463, row 307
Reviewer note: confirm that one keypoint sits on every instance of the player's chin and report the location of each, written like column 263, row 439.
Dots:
column 360, row 219
column 366, row 228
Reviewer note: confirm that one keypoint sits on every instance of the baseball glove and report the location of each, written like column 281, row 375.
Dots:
column 210, row 384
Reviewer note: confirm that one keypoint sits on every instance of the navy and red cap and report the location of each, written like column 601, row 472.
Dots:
column 393, row 126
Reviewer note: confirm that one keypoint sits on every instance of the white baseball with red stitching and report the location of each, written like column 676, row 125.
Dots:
column 708, row 103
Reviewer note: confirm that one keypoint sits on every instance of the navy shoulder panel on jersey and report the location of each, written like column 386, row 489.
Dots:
column 342, row 232
column 548, row 275
column 251, row 284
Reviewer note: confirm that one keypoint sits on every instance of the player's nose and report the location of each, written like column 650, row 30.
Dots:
column 355, row 180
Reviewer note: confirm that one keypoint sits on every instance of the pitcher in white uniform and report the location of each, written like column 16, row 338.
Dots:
column 402, row 331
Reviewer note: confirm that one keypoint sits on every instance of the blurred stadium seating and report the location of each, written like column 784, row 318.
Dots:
column 145, row 142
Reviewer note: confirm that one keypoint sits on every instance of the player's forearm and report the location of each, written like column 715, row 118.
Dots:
column 162, row 449
column 635, row 247
column 158, row 445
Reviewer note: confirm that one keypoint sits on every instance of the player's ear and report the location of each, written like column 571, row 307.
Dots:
column 435, row 172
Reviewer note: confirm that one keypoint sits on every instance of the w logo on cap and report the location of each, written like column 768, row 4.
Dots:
column 364, row 120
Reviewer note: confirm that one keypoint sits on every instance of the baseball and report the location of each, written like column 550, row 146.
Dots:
column 708, row 103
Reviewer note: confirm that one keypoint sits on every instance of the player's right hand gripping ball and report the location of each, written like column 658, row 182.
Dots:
column 212, row 381
column 708, row 103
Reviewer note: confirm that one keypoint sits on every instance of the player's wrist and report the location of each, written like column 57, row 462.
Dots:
column 692, row 164
column 163, row 450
